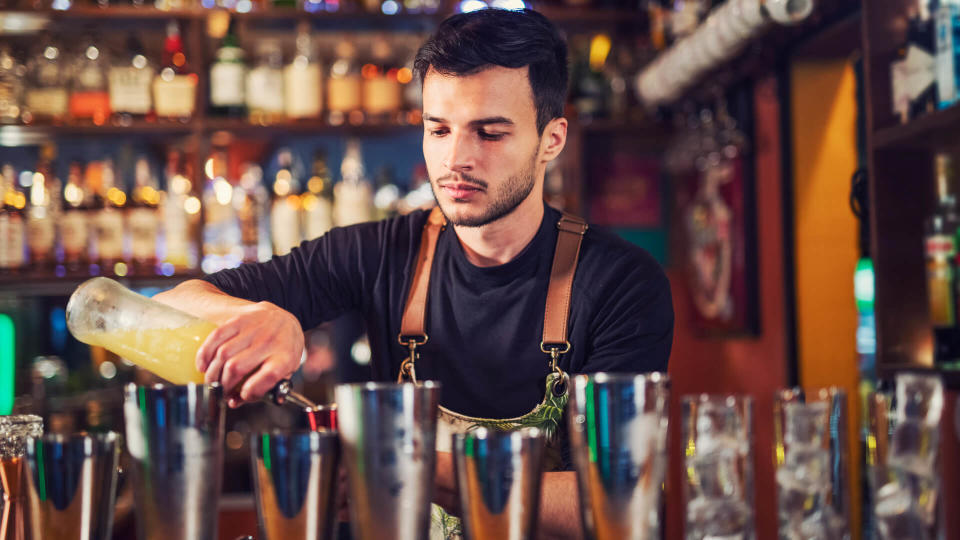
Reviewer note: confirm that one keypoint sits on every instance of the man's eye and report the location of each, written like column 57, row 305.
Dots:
column 438, row 132
column 490, row 136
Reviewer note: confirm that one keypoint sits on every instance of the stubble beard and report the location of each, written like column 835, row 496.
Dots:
column 510, row 195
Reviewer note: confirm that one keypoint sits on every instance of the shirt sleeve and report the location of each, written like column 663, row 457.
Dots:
column 317, row 281
column 633, row 330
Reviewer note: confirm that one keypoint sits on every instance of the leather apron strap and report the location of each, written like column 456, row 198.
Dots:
column 556, row 312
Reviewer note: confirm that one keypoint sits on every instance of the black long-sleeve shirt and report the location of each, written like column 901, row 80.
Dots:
column 484, row 323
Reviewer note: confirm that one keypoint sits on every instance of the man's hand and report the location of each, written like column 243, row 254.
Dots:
column 251, row 351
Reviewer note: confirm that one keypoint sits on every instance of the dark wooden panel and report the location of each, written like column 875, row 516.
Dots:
column 938, row 131
column 901, row 184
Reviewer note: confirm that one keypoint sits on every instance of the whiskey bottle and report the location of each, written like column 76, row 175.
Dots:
column 75, row 223
column 175, row 87
column 11, row 223
column 89, row 94
column 303, row 93
column 47, row 98
column 940, row 242
column 228, row 77
column 143, row 219
column 131, row 79
column 41, row 231
column 317, row 201
column 285, row 208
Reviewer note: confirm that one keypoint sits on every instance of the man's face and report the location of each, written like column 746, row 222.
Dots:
column 480, row 143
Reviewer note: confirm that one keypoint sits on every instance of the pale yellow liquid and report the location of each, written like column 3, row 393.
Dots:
column 169, row 353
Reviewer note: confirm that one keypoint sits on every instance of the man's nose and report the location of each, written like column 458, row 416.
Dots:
column 460, row 154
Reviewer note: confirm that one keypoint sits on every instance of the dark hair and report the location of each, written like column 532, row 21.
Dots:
column 468, row 43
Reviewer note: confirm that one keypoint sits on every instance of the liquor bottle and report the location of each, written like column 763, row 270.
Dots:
column 179, row 209
column 317, row 202
column 131, row 79
column 228, row 76
column 11, row 86
column 108, row 219
column 590, row 89
column 252, row 213
column 143, row 219
column 947, row 33
column 90, row 94
column 941, row 253
column 303, row 93
column 46, row 99
column 913, row 73
column 221, row 228
column 175, row 87
column 75, row 222
column 41, row 231
column 11, row 223
column 382, row 91
column 265, row 85
column 344, row 86
column 285, row 209
column 353, row 194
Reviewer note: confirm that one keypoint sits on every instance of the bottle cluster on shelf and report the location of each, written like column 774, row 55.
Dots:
column 93, row 224
column 941, row 238
column 364, row 79
column 925, row 75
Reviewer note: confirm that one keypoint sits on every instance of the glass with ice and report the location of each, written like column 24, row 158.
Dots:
column 718, row 490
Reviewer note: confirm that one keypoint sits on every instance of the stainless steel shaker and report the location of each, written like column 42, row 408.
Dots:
column 175, row 439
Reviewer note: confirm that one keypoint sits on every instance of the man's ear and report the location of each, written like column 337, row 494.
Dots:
column 554, row 139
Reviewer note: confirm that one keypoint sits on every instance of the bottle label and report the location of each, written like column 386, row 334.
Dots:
column 130, row 90
column 941, row 251
column 265, row 90
column 40, row 236
column 285, row 225
column 343, row 94
column 303, row 94
column 946, row 56
column 144, row 226
column 381, row 95
column 47, row 101
column 318, row 219
column 227, row 81
column 176, row 97
column 11, row 240
column 73, row 234
column 95, row 105
column 352, row 203
column 176, row 231
column 109, row 227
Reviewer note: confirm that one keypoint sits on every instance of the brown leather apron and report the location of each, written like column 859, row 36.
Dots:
column 548, row 413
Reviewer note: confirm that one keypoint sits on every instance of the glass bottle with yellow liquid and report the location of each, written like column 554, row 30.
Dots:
column 154, row 336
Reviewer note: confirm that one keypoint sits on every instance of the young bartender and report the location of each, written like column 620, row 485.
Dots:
column 513, row 294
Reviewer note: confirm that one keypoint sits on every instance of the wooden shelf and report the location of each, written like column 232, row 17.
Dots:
column 560, row 15
column 951, row 377
column 307, row 127
column 109, row 13
column 33, row 284
column 940, row 129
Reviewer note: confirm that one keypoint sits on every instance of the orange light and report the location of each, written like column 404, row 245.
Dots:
column 179, row 59
column 392, row 74
column 369, row 71
column 404, row 75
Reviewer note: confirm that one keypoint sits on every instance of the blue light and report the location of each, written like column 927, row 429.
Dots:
column 472, row 5
column 390, row 7
column 58, row 329
column 167, row 269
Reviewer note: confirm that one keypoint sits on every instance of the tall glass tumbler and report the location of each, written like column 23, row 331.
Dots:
column 295, row 484
column 810, row 469
column 175, row 439
column 618, row 438
column 72, row 485
column 15, row 430
column 718, row 439
column 388, row 434
column 904, row 454
column 499, row 475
